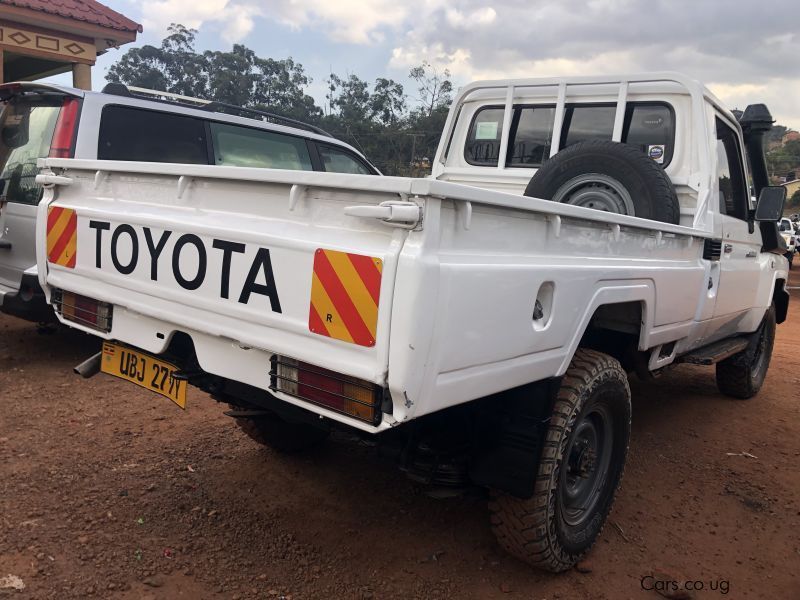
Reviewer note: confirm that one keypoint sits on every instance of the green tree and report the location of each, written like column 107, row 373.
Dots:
column 238, row 76
column 375, row 118
column 434, row 87
column 784, row 159
column 350, row 98
column 388, row 102
column 173, row 67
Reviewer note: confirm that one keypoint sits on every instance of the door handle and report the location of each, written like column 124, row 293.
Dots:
column 403, row 214
column 5, row 245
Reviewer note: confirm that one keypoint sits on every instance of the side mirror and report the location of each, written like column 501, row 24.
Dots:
column 770, row 203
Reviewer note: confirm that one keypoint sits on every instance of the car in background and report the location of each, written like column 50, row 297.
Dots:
column 790, row 236
column 131, row 124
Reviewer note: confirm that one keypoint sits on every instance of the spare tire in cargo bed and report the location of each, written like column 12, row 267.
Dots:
column 607, row 176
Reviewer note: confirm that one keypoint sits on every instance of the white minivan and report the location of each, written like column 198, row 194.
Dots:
column 124, row 123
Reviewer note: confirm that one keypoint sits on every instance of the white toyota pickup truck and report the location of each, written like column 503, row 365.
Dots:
column 480, row 323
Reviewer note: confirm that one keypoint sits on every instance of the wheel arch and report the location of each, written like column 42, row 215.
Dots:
column 625, row 308
column 780, row 297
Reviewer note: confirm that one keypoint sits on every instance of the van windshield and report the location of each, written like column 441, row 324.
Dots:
column 26, row 131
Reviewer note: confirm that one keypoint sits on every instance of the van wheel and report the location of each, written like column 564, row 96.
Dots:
column 280, row 435
column 742, row 375
column 582, row 460
column 607, row 176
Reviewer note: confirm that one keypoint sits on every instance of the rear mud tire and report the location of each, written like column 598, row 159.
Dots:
column 742, row 375
column 579, row 472
column 280, row 435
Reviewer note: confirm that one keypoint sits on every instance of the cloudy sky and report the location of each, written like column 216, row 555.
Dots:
column 744, row 51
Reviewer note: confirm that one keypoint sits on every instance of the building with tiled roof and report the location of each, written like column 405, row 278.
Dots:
column 39, row 38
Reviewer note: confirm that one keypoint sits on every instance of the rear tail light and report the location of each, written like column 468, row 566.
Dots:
column 342, row 393
column 64, row 133
column 83, row 310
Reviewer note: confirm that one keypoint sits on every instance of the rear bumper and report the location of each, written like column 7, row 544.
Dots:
column 28, row 302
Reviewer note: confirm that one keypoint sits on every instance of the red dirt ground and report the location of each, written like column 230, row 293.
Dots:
column 108, row 491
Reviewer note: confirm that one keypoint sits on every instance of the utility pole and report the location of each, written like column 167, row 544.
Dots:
column 413, row 137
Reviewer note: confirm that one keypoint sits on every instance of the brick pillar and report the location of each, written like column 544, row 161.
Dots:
column 82, row 76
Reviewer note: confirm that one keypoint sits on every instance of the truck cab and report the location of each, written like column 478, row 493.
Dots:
column 500, row 133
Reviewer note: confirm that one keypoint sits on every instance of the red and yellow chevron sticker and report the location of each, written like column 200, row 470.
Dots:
column 62, row 236
column 345, row 291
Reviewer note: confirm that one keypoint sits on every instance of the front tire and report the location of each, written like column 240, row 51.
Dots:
column 742, row 375
column 582, row 461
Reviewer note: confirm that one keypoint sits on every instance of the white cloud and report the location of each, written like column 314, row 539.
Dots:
column 779, row 94
column 476, row 18
column 235, row 18
column 347, row 21
column 748, row 55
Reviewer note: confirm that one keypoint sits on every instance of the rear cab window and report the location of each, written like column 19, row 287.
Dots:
column 128, row 133
column 584, row 122
column 483, row 142
column 27, row 124
column 649, row 126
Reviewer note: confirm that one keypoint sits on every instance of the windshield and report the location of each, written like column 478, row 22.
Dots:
column 786, row 225
column 26, row 130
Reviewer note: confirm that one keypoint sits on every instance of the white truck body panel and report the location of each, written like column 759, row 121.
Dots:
column 459, row 284
column 457, row 293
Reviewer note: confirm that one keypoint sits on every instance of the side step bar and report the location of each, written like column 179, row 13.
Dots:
column 716, row 352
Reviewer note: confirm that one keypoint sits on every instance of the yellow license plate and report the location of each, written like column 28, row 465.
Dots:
column 144, row 370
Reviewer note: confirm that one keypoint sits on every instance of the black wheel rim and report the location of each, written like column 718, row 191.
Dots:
column 585, row 469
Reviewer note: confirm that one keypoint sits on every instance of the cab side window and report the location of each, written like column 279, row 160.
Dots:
column 733, row 194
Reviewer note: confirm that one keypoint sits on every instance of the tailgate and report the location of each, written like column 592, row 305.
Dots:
column 264, row 259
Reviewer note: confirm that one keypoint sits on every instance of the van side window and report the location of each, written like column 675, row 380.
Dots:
column 733, row 194
column 337, row 161
column 247, row 147
column 530, row 136
column 128, row 133
column 587, row 122
column 483, row 141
